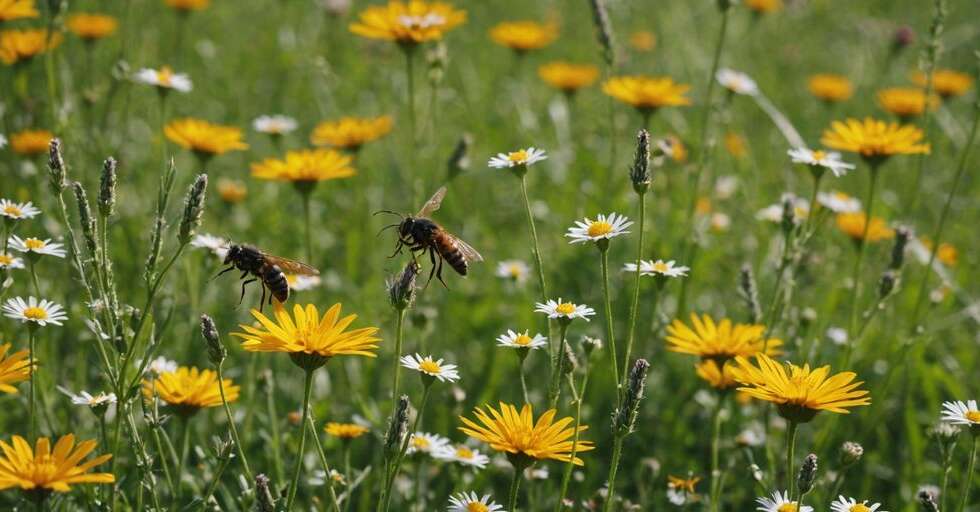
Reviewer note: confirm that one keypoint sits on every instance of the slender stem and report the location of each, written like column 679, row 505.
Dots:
column 215, row 481
column 859, row 259
column 399, row 325
column 32, row 407
column 307, row 230
column 535, row 248
column 604, row 260
column 790, row 446
column 715, row 439
column 163, row 460
column 520, row 370
column 634, row 307
column 185, row 426
column 311, row 423
column 274, row 429
column 233, row 428
column 969, row 471
column 347, row 476
column 307, row 389
column 579, row 398
column 515, row 485
column 613, row 467
column 557, row 365
column 386, row 501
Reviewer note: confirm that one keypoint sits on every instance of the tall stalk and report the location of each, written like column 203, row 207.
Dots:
column 232, row 427
column 604, row 259
column 634, row 307
column 307, row 390
column 535, row 247
column 791, row 431
column 399, row 325
column 859, row 259
column 970, row 471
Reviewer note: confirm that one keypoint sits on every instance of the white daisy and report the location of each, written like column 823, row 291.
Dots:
column 520, row 157
column 10, row 261
column 838, row 202
column 826, row 159
column 603, row 228
column 162, row 365
column 215, row 244
column 961, row 413
column 471, row 502
column 566, row 310
column 657, row 268
column 300, row 282
column 843, row 504
column 676, row 496
column 3, row 141
column 86, row 398
column 42, row 313
column 18, row 211
column 774, row 212
column 516, row 270
column 780, row 503
column 164, row 78
column 462, row 454
column 537, row 473
column 518, row 340
column 274, row 124
column 737, row 82
column 725, row 186
column 426, row 443
column 36, row 246
column 431, row 367
column 838, row 335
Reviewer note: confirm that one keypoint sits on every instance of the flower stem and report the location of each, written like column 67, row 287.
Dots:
column 604, row 260
column 307, row 389
column 790, row 446
column 520, row 370
column 535, row 248
column 399, row 325
column 613, row 467
column 347, row 476
column 32, row 407
column 634, row 307
column 311, row 423
column 859, row 259
column 556, row 366
column 401, row 451
column 233, row 428
column 970, row 471
column 515, row 485
column 185, row 442
column 715, row 439
column 579, row 397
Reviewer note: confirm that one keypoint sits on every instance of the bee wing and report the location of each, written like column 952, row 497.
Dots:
column 433, row 203
column 291, row 266
column 471, row 254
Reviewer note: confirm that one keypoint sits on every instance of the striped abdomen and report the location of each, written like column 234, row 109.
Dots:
column 445, row 244
column 275, row 281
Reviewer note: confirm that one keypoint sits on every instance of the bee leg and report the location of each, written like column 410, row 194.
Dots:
column 262, row 300
column 439, row 272
column 432, row 272
column 219, row 274
column 242, row 298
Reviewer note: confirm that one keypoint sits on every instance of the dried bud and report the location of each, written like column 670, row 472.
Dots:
column 397, row 427
column 401, row 287
column 902, row 236
column 807, row 475
column 107, row 188
column 57, row 172
column 85, row 219
column 600, row 17
column 749, row 292
column 223, row 447
column 640, row 170
column 904, row 36
column 216, row 350
column 570, row 364
column 193, row 208
column 589, row 344
column 459, row 160
column 886, row 285
column 789, row 215
column 265, row 502
column 850, row 453
column 624, row 418
column 927, row 501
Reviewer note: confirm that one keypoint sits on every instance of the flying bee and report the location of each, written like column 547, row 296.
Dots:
column 421, row 234
column 265, row 268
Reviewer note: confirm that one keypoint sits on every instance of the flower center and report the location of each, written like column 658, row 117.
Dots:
column 13, row 210
column 660, row 267
column 514, row 271
column 464, row 452
column 859, row 507
column 430, row 366
column 517, row 157
column 565, row 308
column 420, row 442
column 523, row 339
column 973, row 416
column 164, row 76
column 420, row 22
column 476, row 506
column 819, row 155
column 6, row 259
column 787, row 507
column 35, row 313
column 291, row 279
column 600, row 228
column 34, row 244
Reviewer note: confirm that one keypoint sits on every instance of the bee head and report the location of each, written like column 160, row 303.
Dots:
column 406, row 226
column 233, row 254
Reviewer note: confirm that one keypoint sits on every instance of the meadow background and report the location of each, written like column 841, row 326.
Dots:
column 292, row 57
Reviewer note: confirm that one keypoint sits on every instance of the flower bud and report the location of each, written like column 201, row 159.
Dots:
column 590, row 344
column 397, row 427
column 807, row 475
column 640, row 170
column 57, row 172
column 193, row 208
column 265, row 502
column 927, row 501
column 107, row 188
column 850, row 453
column 624, row 418
column 216, row 350
column 749, row 292
column 886, row 285
column 570, row 364
column 789, row 215
column 401, row 287
column 904, row 36
column 85, row 219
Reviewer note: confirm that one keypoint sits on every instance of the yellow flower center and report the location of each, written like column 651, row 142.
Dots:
column 164, row 76
column 842, row 196
column 476, row 506
column 464, row 452
column 291, row 279
column 35, row 313
column 420, row 442
column 430, row 366
column 518, row 157
column 787, row 507
column 819, row 155
column 860, row 507
column 565, row 308
column 523, row 339
column 973, row 416
column 514, row 271
column 660, row 267
column 13, row 210
column 34, row 244
column 600, row 228
column 6, row 259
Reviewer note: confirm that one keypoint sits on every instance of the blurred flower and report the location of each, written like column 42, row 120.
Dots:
column 906, row 102
column 426, row 443
column 643, row 40
column 826, row 159
column 946, row 254
column 961, row 413
column 18, row 211
column 22, row 45
column 345, row 430
column 10, row 261
column 462, row 454
column 41, row 313
column 830, row 88
column 164, row 79
column 350, row 132
column 735, row 145
column 301, row 282
column 720, row 221
column 189, row 389
column 658, row 268
column 232, row 191
column 30, row 142
column 306, row 332
column 525, row 340
column 91, row 27
column 780, row 503
column 274, row 124
column 203, row 137
column 408, row 23
column 567, row 76
column 603, row 228
column 737, row 82
column 3, row 141
column 516, row 270
column 718, row 376
column 188, row 5
column 945, row 82
column 525, row 35
column 838, row 335
column 564, row 310
column 873, row 139
column 853, row 225
column 305, row 165
column 682, row 485
column 16, row 9
column 843, row 504
column 429, row 366
column 719, row 341
column 215, row 244
column 335, row 7
column 524, row 157
column 471, row 502
column 674, row 148
column 764, row 6
column 838, row 202
column 14, row 368
column 90, row 400
column 647, row 93
column 162, row 365
column 774, row 212
column 517, row 433
column 44, row 469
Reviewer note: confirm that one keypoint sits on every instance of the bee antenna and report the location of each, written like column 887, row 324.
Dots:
column 388, row 212
column 389, row 226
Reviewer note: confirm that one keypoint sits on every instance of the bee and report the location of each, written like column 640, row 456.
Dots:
column 265, row 268
column 420, row 234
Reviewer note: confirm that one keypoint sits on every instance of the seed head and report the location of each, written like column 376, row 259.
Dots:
column 749, row 292
column 590, row 344
column 570, row 364
column 401, row 287
column 624, row 418
column 265, row 502
column 902, row 236
column 600, row 17
column 640, row 170
column 397, row 427
column 57, row 171
column 85, row 218
column 193, row 208
column 808, row 474
column 927, row 501
column 107, row 188
column 850, row 453
column 216, row 350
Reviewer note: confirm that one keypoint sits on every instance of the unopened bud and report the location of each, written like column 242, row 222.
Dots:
column 640, row 170
column 397, row 427
column 264, row 501
column 589, row 344
column 570, row 364
column 216, row 350
column 625, row 416
column 807, row 475
column 927, row 501
column 193, row 208
column 85, row 219
column 788, row 221
column 401, row 287
column 904, row 36
column 107, row 188
column 886, row 285
column 57, row 172
column 459, row 160
column 850, row 453
column 749, row 292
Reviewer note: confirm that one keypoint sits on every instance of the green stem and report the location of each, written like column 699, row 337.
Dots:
column 390, row 478
column 535, row 248
column 37, row 284
column 307, row 389
column 274, row 429
column 399, row 336
column 790, row 447
column 520, row 370
column 970, row 471
column 715, row 439
column 859, row 259
column 634, row 307
column 32, row 407
column 580, row 396
column 613, row 467
column 185, row 443
column 163, row 460
column 215, row 480
column 557, row 365
column 311, row 423
column 347, row 476
column 515, row 485
column 604, row 260
column 233, row 428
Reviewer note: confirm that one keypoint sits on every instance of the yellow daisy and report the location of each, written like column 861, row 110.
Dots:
column 345, row 431
column 647, row 93
column 764, row 6
column 13, row 368
column 43, row 469
column 906, row 102
column 518, row 435
column 719, row 341
column 685, row 484
column 306, row 165
column 830, row 88
column 204, row 138
column 947, row 253
column 16, row 9
column 189, row 389
column 643, row 40
column 232, row 191
column 350, row 132
column 408, row 23
column 92, row 26
column 853, row 225
column 946, row 82
column 188, row 5
column 22, row 45
column 524, row 35
column 874, row 140
column 568, row 77
column 717, row 376
column 30, row 142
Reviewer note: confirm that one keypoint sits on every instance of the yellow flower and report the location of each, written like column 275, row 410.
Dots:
column 524, row 35
column 946, row 82
column 721, row 341
column 43, row 470
column 567, row 76
column 350, row 132
column 686, row 484
column 718, row 377
column 852, row 224
column 764, row 6
column 305, row 165
column 188, row 5
column 232, row 191
column 308, row 337
column 92, row 26
column 735, row 144
column 22, row 45
column 15, row 9
column 203, row 137
column 947, row 253
column 678, row 151
column 643, row 40
column 408, row 23
column 906, row 102
column 874, row 140
column 830, row 88
column 13, row 368
column 30, row 142
column 345, row 430
column 189, row 389
column 647, row 93
column 519, row 435
column 800, row 392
